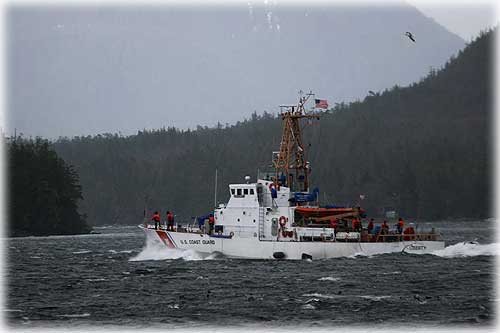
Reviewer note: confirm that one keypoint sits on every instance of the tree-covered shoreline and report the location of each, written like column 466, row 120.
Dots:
column 43, row 191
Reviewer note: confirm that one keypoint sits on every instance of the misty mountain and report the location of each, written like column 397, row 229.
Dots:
column 424, row 149
column 86, row 70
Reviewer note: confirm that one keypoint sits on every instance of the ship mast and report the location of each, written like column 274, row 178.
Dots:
column 290, row 162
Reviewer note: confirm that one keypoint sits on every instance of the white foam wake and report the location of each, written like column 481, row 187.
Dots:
column 329, row 278
column 156, row 251
column 468, row 250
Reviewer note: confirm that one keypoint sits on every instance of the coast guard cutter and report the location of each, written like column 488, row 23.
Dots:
column 276, row 217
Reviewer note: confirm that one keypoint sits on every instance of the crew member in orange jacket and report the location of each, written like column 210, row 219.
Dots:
column 170, row 221
column 333, row 224
column 156, row 218
column 356, row 224
column 211, row 223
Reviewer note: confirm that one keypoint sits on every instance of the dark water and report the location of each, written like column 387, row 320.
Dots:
column 72, row 281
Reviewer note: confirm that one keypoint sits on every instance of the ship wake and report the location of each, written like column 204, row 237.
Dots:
column 155, row 251
column 468, row 249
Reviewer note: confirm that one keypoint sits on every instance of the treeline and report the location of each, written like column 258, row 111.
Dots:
column 43, row 191
column 424, row 150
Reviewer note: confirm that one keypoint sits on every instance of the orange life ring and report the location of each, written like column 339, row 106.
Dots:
column 282, row 221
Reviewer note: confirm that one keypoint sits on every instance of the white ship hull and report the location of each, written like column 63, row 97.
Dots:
column 253, row 248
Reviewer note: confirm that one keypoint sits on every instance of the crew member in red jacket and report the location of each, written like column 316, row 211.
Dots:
column 333, row 224
column 170, row 221
column 211, row 224
column 156, row 218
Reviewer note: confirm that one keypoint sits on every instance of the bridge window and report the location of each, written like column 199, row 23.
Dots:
column 233, row 191
column 238, row 192
column 251, row 191
column 245, row 191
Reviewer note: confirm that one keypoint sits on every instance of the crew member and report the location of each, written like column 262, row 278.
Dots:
column 356, row 224
column 211, row 223
column 170, row 221
column 370, row 226
column 359, row 226
column 201, row 222
column 156, row 218
column 274, row 194
column 385, row 228
column 400, row 225
column 333, row 224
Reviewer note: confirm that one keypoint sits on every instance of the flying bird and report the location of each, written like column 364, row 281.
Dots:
column 410, row 35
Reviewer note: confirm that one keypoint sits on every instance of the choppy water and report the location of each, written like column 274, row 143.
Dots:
column 111, row 279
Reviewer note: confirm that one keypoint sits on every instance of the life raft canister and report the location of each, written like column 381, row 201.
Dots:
column 282, row 221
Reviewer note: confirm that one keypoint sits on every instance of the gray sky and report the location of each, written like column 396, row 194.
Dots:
column 465, row 18
column 90, row 70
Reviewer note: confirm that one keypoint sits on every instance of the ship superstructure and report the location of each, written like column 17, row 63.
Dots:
column 277, row 216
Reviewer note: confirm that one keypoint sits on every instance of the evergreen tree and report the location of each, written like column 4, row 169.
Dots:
column 43, row 191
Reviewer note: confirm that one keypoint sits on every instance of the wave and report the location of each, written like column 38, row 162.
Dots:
column 374, row 298
column 156, row 251
column 318, row 295
column 124, row 251
column 82, row 252
column 115, row 226
column 467, row 250
column 329, row 278
column 358, row 255
column 78, row 315
column 329, row 296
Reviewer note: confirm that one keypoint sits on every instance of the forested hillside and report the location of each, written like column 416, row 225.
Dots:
column 43, row 191
column 424, row 149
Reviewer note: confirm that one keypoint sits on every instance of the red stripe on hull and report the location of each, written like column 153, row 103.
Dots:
column 164, row 237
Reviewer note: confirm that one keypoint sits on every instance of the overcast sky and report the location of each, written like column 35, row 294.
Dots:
column 465, row 18
column 113, row 60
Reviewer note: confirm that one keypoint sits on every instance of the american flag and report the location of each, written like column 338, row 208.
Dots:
column 321, row 103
